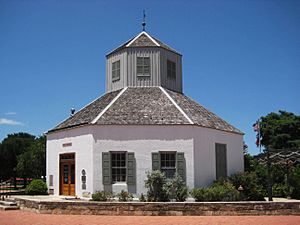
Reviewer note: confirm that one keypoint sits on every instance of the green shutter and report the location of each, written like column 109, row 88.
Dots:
column 221, row 161
column 131, row 168
column 106, row 169
column 155, row 161
column 180, row 165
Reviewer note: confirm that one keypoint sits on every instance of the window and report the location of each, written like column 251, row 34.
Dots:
column 115, row 72
column 168, row 163
column 67, row 157
column 171, row 67
column 118, row 166
column 143, row 66
column 221, row 161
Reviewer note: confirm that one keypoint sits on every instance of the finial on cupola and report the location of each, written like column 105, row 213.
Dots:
column 144, row 21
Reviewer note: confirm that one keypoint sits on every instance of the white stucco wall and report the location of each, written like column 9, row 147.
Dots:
column 142, row 140
column 205, row 159
column 82, row 146
column 197, row 143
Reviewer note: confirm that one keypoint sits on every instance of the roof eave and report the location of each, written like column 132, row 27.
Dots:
column 114, row 124
column 153, row 39
column 121, row 48
column 66, row 128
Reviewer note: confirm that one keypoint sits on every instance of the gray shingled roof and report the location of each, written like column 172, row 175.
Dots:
column 143, row 41
column 145, row 106
column 88, row 113
column 200, row 115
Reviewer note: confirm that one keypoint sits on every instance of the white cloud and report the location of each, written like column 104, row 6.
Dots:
column 10, row 113
column 4, row 121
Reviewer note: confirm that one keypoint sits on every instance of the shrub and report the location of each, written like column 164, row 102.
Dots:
column 124, row 196
column 37, row 187
column 142, row 198
column 295, row 182
column 253, row 191
column 280, row 190
column 175, row 188
column 199, row 194
column 155, row 181
column 278, row 173
column 224, row 191
column 261, row 173
column 101, row 196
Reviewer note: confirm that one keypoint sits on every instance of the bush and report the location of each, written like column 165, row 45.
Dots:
column 280, row 190
column 199, row 194
column 142, row 198
column 224, row 191
column 125, row 196
column 155, row 181
column 219, row 191
column 253, row 191
column 101, row 196
column 175, row 188
column 37, row 187
column 295, row 182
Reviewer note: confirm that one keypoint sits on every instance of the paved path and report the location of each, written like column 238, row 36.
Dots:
column 30, row 218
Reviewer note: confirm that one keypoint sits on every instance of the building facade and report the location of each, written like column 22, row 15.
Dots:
column 142, row 123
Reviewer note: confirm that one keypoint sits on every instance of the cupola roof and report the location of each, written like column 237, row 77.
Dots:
column 141, row 40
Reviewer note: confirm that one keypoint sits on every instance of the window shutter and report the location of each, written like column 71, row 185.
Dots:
column 131, row 168
column 106, row 169
column 155, row 161
column 221, row 161
column 180, row 165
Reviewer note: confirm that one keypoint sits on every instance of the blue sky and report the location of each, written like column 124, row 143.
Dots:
column 241, row 59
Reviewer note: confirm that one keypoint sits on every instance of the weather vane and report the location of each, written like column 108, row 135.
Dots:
column 144, row 20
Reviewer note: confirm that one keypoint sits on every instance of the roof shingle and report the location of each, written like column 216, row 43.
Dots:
column 143, row 40
column 88, row 113
column 146, row 106
column 200, row 115
column 142, row 105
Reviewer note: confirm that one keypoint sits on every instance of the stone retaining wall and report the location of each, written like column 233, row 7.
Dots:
column 161, row 209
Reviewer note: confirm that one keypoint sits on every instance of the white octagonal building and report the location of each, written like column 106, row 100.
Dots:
column 143, row 122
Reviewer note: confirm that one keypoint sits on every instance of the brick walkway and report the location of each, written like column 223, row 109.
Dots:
column 29, row 218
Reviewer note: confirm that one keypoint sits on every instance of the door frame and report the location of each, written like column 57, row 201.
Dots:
column 67, row 159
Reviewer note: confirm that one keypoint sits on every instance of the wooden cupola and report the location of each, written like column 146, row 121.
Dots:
column 144, row 61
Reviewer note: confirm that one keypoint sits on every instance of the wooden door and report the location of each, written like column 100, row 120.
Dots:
column 67, row 174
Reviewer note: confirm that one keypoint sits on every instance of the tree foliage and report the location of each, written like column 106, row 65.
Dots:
column 22, row 155
column 252, row 188
column 10, row 148
column 280, row 130
column 31, row 163
column 295, row 182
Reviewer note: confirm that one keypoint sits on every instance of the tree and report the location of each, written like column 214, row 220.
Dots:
column 280, row 130
column 32, row 162
column 11, row 147
column 295, row 182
